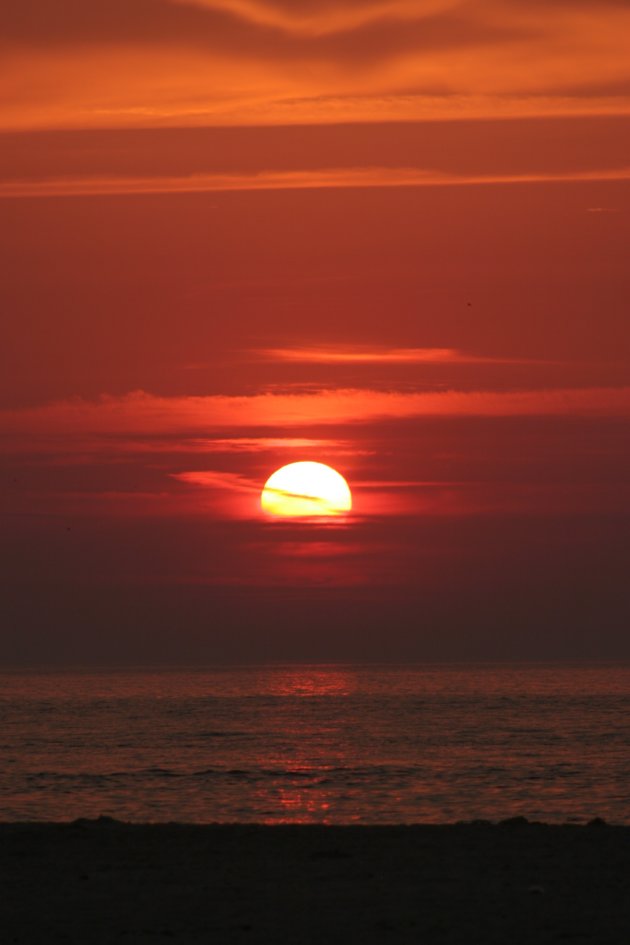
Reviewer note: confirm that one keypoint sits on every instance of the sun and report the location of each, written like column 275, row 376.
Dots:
column 306, row 489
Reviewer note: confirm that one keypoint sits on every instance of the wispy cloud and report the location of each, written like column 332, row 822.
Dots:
column 251, row 444
column 142, row 413
column 321, row 19
column 66, row 450
column 233, row 482
column 143, row 62
column 156, row 160
column 297, row 180
column 357, row 354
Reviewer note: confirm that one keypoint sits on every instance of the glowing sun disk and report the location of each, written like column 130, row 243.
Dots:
column 306, row 489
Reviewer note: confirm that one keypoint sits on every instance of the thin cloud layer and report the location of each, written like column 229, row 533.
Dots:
column 323, row 17
column 147, row 62
column 356, row 354
column 373, row 34
column 344, row 178
column 431, row 154
column 144, row 413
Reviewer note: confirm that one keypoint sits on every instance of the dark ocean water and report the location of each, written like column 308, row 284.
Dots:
column 332, row 744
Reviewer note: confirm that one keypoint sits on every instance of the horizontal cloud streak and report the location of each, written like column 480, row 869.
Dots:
column 461, row 148
column 233, row 482
column 145, row 413
column 298, row 180
column 358, row 355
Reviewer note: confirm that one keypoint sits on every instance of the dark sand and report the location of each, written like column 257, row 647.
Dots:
column 107, row 882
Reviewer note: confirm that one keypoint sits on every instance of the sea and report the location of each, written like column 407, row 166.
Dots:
column 334, row 744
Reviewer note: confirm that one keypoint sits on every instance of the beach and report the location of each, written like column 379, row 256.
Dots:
column 103, row 881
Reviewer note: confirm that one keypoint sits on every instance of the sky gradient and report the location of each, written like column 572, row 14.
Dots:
column 391, row 237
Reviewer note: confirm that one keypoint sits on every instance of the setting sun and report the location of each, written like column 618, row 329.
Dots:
column 306, row 489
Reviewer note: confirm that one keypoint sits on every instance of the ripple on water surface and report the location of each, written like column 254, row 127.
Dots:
column 332, row 744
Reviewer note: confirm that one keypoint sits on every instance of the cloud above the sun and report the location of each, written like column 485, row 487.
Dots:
column 141, row 412
column 363, row 354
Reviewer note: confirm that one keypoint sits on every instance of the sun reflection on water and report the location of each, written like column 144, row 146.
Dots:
column 312, row 681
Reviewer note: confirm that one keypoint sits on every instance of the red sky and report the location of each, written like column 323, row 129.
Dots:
column 388, row 236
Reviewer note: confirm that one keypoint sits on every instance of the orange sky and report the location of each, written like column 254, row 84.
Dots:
column 175, row 62
column 391, row 236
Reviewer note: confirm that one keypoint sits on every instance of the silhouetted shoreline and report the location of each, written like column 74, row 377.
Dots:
column 104, row 881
